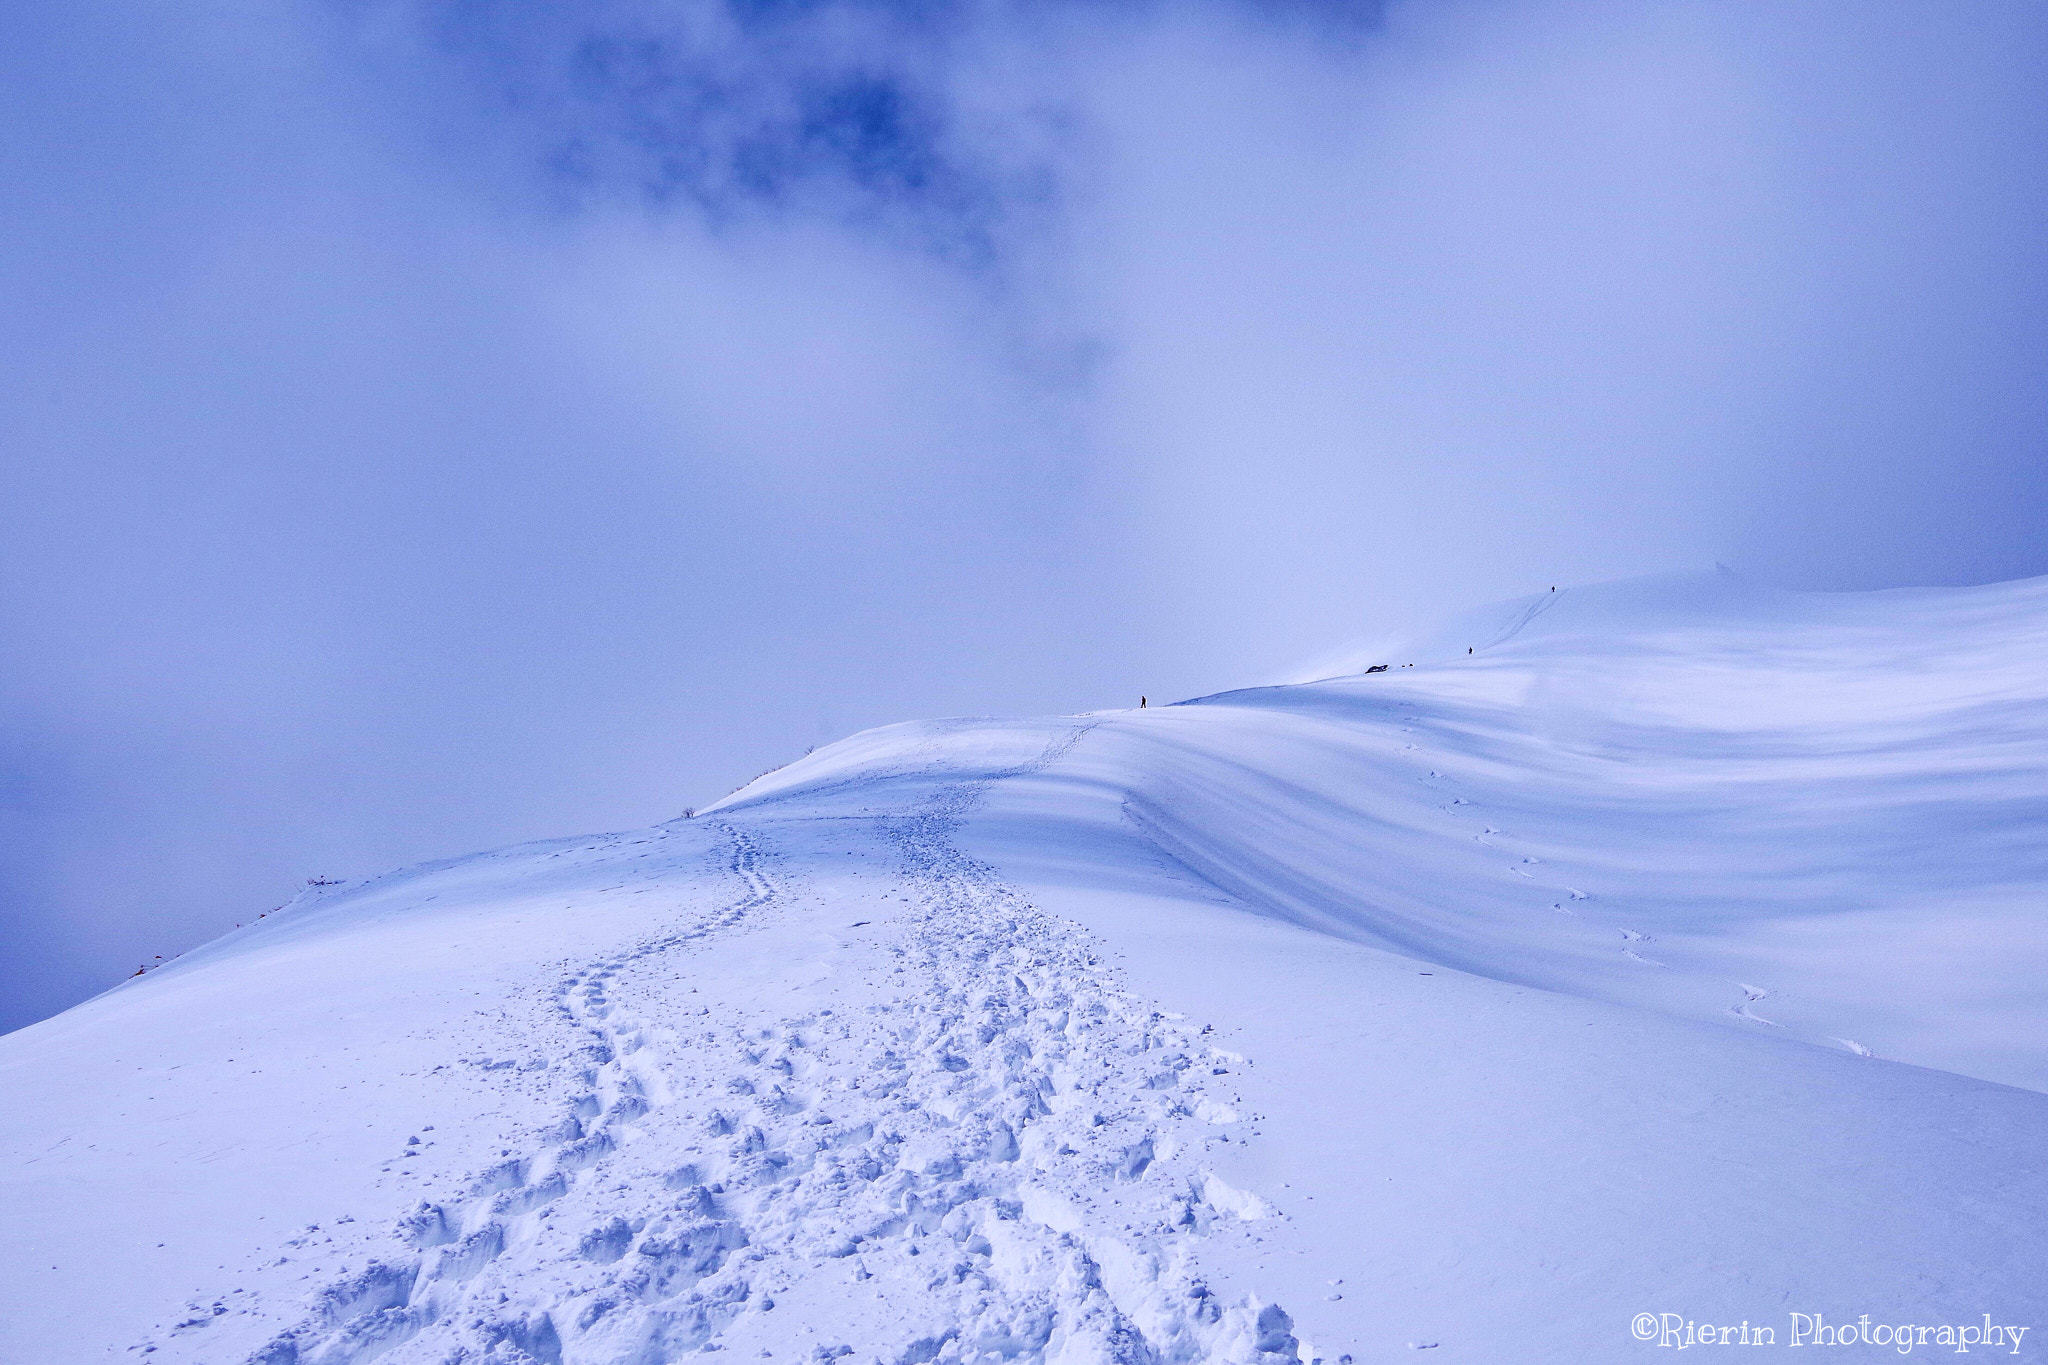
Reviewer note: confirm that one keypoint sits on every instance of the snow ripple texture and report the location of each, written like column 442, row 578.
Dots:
column 992, row 1155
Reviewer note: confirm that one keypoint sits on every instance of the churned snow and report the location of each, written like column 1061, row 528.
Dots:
column 1678, row 950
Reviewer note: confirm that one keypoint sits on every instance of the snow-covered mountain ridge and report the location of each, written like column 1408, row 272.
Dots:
column 1680, row 949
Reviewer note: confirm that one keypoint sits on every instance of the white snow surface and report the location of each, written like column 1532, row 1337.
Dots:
column 1679, row 950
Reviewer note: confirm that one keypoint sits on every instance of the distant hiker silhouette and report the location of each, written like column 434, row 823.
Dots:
column 1141, row 703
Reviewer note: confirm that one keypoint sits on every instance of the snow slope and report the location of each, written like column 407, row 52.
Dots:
column 1678, row 951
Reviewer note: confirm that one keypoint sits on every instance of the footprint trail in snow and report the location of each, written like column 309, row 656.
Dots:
column 971, row 1144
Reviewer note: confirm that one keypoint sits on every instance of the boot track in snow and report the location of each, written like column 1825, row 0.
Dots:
column 992, row 1153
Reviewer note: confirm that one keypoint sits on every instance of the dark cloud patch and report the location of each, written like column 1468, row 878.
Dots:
column 735, row 111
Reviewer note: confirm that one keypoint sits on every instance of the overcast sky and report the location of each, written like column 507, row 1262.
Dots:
column 430, row 424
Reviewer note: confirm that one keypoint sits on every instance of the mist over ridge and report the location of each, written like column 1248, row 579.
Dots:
column 435, row 425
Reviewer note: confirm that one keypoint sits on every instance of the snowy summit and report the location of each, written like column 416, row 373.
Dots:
column 1676, row 951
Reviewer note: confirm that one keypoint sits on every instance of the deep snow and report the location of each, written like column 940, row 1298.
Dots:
column 1679, row 950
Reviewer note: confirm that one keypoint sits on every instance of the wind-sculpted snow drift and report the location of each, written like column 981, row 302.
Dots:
column 1679, row 950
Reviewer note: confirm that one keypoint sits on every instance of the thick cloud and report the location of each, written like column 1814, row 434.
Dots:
column 436, row 424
